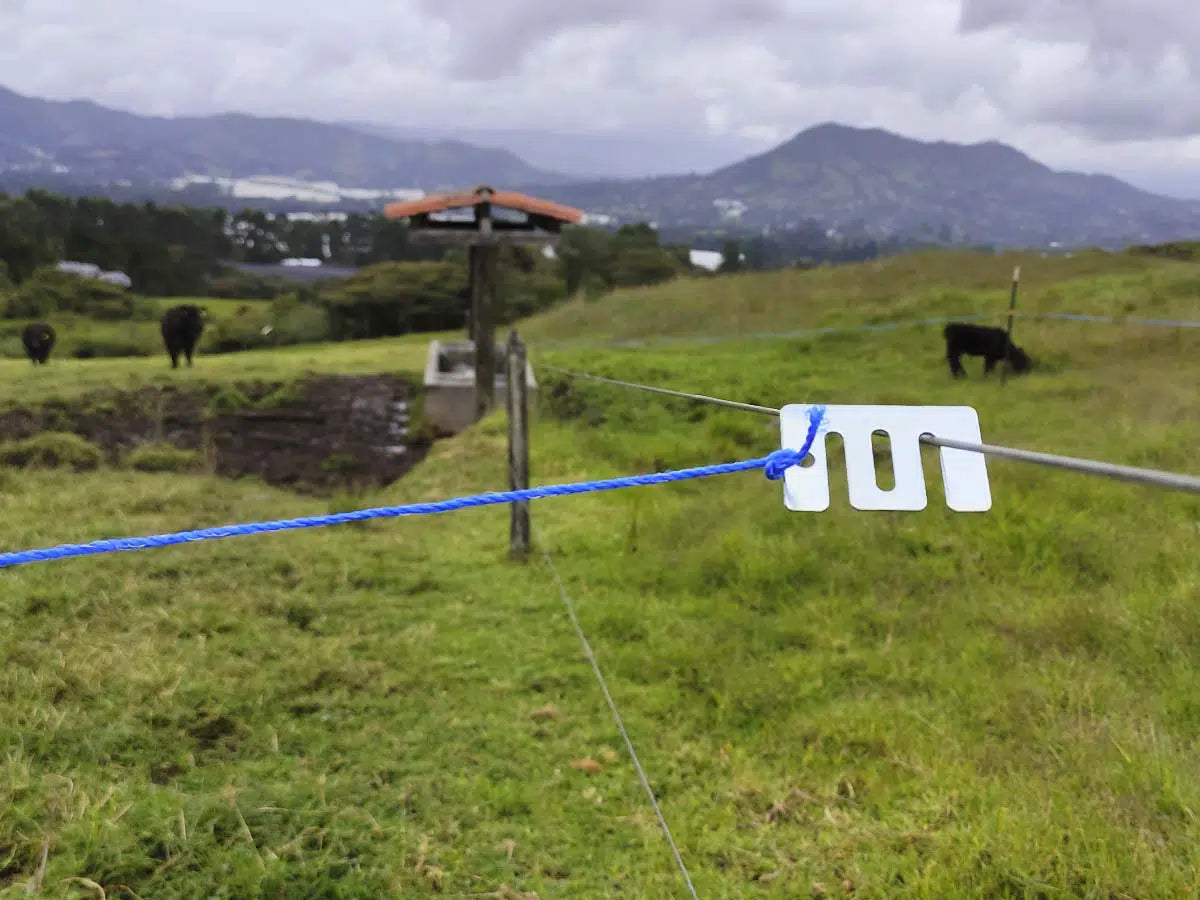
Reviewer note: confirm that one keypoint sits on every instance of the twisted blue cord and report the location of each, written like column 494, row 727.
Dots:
column 774, row 466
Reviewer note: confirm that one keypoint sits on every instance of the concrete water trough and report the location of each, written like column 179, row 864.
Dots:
column 450, row 384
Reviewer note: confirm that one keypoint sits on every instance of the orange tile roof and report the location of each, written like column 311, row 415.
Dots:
column 508, row 199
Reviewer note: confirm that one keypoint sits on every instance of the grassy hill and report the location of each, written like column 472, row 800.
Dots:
column 894, row 289
column 877, row 704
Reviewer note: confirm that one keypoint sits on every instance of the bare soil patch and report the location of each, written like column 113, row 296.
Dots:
column 315, row 435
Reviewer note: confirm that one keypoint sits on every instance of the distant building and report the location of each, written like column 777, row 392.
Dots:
column 316, row 216
column 120, row 279
column 86, row 270
column 91, row 270
column 706, row 259
column 730, row 208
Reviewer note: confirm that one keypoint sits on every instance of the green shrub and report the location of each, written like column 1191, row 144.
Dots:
column 297, row 321
column 49, row 291
column 241, row 331
column 163, row 457
column 111, row 309
column 396, row 298
column 51, row 450
column 237, row 285
column 594, row 287
column 527, row 293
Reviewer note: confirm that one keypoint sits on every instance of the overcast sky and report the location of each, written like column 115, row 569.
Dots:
column 1097, row 85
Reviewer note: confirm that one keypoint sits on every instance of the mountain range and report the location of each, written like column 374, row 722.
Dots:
column 854, row 181
column 94, row 143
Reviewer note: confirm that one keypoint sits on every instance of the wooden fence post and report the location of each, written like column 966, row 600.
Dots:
column 484, row 328
column 472, row 278
column 517, row 399
column 1012, row 305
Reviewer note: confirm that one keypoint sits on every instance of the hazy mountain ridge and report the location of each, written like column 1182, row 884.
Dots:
column 94, row 142
column 873, row 181
column 860, row 181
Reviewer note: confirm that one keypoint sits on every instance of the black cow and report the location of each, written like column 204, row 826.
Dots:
column 993, row 344
column 38, row 338
column 181, row 329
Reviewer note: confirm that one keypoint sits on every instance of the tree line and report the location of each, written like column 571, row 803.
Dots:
column 398, row 286
column 191, row 251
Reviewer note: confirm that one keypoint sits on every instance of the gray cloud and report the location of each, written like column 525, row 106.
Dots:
column 491, row 40
column 1112, row 30
column 1093, row 84
column 1124, row 71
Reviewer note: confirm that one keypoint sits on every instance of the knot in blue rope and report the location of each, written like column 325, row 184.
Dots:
column 781, row 460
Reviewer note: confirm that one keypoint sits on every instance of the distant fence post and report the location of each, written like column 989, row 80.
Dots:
column 1012, row 305
column 517, row 400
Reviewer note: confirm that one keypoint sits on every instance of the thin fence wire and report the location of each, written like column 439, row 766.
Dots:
column 612, row 706
column 1114, row 320
column 816, row 331
column 1153, row 477
column 796, row 334
column 732, row 404
column 1137, row 474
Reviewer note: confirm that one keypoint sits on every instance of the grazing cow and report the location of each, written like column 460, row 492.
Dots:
column 993, row 344
column 38, row 338
column 181, row 328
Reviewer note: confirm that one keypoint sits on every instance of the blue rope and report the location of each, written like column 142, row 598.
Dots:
column 774, row 466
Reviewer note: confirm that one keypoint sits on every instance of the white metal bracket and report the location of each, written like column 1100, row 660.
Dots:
column 964, row 472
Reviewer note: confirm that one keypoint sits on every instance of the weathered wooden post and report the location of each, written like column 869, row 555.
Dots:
column 483, row 296
column 1012, row 305
column 472, row 279
column 517, row 396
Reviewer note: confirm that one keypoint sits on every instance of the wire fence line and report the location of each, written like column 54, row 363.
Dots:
column 1114, row 320
column 612, row 706
column 1153, row 477
column 732, row 404
column 819, row 331
column 815, row 331
column 1150, row 477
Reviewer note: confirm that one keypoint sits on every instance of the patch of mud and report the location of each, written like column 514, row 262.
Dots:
column 315, row 435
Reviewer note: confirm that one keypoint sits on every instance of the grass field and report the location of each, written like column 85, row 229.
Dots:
column 837, row 704
column 121, row 338
column 894, row 289
column 64, row 379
